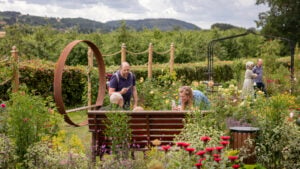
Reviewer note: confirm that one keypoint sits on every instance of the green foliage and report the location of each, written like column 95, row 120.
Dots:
column 278, row 142
column 7, row 152
column 29, row 121
column 3, row 119
column 117, row 128
column 41, row 155
column 198, row 124
column 281, row 19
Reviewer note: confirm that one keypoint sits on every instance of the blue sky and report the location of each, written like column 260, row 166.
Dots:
column 202, row 13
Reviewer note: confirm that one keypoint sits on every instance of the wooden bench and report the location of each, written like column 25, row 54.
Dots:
column 146, row 126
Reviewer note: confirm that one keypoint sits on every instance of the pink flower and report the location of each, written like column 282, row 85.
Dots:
column 166, row 148
column 233, row 158
column 235, row 166
column 3, row 105
column 198, row 165
column 224, row 143
column 201, row 153
column 225, row 137
column 205, row 139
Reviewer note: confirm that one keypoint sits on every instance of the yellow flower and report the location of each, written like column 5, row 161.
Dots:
column 167, row 101
column 141, row 80
column 210, row 83
column 196, row 84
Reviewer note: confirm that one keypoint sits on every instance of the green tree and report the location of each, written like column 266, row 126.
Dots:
column 282, row 19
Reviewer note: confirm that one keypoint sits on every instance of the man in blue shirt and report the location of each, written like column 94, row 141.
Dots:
column 258, row 69
column 123, row 82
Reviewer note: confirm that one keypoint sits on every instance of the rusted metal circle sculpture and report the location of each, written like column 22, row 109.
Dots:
column 58, row 73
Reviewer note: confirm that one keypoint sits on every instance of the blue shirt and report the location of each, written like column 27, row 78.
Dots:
column 259, row 71
column 118, row 85
column 199, row 100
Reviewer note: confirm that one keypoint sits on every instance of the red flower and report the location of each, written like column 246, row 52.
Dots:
column 190, row 150
column 201, row 159
column 225, row 137
column 198, row 165
column 201, row 153
column 224, row 143
column 235, row 166
column 216, row 155
column 3, row 105
column 233, row 158
column 205, row 139
column 166, row 148
column 183, row 144
column 217, row 159
column 219, row 148
column 209, row 149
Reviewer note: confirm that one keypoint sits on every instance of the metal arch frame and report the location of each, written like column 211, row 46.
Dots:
column 210, row 52
column 58, row 73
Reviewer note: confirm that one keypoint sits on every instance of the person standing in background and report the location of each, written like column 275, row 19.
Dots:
column 258, row 69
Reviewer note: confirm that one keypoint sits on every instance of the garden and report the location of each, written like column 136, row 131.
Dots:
column 35, row 135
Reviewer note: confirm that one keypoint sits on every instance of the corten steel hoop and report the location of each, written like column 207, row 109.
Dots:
column 59, row 67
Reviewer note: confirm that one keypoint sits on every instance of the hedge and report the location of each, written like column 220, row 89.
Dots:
column 38, row 76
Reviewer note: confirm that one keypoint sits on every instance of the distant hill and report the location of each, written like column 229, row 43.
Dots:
column 87, row 26
column 162, row 24
column 224, row 26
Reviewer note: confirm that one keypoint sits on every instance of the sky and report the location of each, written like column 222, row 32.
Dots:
column 202, row 13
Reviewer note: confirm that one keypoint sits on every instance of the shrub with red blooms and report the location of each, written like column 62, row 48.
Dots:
column 212, row 155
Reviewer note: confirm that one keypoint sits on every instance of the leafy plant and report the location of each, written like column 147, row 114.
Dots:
column 117, row 128
column 29, row 121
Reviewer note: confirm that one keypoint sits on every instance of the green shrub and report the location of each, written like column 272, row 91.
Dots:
column 7, row 152
column 29, row 121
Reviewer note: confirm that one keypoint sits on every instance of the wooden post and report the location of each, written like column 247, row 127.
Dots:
column 123, row 53
column 150, row 56
column 172, row 51
column 90, row 67
column 15, row 64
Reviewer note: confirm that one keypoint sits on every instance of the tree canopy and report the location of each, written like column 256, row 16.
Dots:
column 282, row 19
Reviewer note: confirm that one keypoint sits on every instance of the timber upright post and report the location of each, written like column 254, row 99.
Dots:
column 89, row 72
column 172, row 50
column 15, row 64
column 123, row 53
column 150, row 56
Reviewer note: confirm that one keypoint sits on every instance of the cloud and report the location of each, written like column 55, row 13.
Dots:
column 203, row 13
